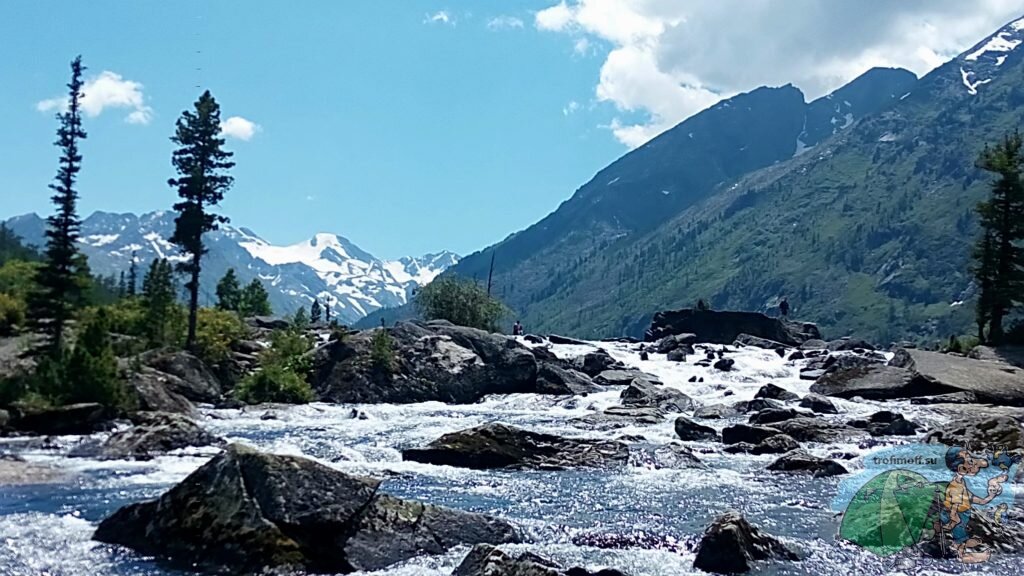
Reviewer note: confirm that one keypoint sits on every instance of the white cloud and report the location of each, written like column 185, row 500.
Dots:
column 504, row 23
column 239, row 128
column 441, row 17
column 571, row 108
column 107, row 90
column 670, row 59
column 581, row 47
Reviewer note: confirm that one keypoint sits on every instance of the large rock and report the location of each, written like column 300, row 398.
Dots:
column 153, row 434
column 715, row 327
column 502, row 446
column 813, row 429
column 773, row 392
column 154, row 391
column 717, row 412
column 773, row 415
column 624, row 377
column 486, row 560
column 194, row 379
column 877, row 382
column 74, row 419
column 434, row 361
column 756, row 342
column 641, row 393
column 992, row 382
column 244, row 511
column 747, row 433
column 731, row 545
column 622, row 416
column 800, row 462
column 665, row 457
column 593, row 363
column 979, row 431
column 818, row 404
column 691, row 431
column 675, row 342
column 554, row 379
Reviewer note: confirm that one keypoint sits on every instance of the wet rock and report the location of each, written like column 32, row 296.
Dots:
column 715, row 411
column 847, row 344
column 675, row 341
column 978, row 431
column 800, row 462
column 953, row 398
column 691, row 431
column 773, row 415
column 502, row 446
column 534, row 339
column 818, row 404
column 747, row 433
column 676, row 356
column 74, row 419
column 154, row 391
column 14, row 471
column 756, row 405
column 624, row 377
column 812, row 429
column 778, row 444
column 877, row 383
column 433, row 361
column 153, row 434
column 724, row 364
column 556, row 339
column 594, row 363
column 812, row 374
column 813, row 344
column 796, row 355
column 640, row 393
column 731, row 545
column 193, row 378
column 244, row 511
column 774, row 392
column 553, row 379
column 886, row 423
column 621, row 416
column 666, row 457
column 723, row 327
column 486, row 560
column 991, row 382
column 748, row 340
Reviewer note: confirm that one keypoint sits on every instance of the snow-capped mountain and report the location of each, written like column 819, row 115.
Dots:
column 327, row 267
column 979, row 65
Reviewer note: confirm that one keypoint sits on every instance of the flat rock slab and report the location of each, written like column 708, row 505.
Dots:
column 991, row 381
column 624, row 377
column 878, row 383
column 501, row 446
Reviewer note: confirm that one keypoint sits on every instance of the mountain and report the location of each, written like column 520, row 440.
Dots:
column 674, row 171
column 327, row 266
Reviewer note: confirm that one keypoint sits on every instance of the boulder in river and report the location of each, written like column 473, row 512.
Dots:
column 153, row 434
column 877, row 382
column 672, row 456
column 73, row 419
column 155, row 391
column 818, row 404
column 992, row 382
column 731, row 545
column 756, row 405
column 756, row 342
column 487, row 560
column 193, row 378
column 675, row 342
column 746, row 433
column 724, row 364
column 691, row 431
column 596, row 362
column 502, row 446
column 723, row 327
column 622, row 416
column 801, row 462
column 717, row 412
column 773, row 415
column 814, row 429
column 641, row 393
column 773, row 392
column 245, row 510
column 984, row 430
column 624, row 377
column 554, row 379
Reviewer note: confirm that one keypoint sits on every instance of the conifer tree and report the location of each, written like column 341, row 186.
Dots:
column 122, row 286
column 301, row 319
column 133, row 276
column 59, row 280
column 158, row 299
column 229, row 293
column 315, row 311
column 202, row 165
column 999, row 260
column 92, row 367
column 255, row 300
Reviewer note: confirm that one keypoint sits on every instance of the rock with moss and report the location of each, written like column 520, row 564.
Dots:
column 153, row 434
column 245, row 511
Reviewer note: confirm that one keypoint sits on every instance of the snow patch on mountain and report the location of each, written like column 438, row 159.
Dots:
column 980, row 64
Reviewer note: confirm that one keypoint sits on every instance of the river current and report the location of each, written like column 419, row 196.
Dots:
column 656, row 515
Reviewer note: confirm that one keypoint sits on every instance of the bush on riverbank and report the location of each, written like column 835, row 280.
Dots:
column 284, row 372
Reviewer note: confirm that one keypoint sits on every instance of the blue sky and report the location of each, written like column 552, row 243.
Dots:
column 412, row 126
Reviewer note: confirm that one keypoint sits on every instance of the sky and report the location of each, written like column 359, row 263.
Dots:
column 413, row 126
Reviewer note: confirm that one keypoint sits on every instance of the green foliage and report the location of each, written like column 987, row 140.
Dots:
column 255, row 300
column 12, row 248
column 461, row 302
column 999, row 258
column 229, row 292
column 60, row 286
column 382, row 353
column 162, row 313
column 202, row 164
column 17, row 278
column 216, row 332
column 283, row 374
column 301, row 319
column 12, row 314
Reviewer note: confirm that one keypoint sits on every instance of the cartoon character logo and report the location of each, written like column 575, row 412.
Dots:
column 901, row 508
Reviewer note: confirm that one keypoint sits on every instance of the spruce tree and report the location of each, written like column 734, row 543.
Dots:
column 133, row 276
column 315, row 311
column 122, row 286
column 59, row 280
column 301, row 319
column 229, row 293
column 158, row 300
column 202, row 164
column 327, row 312
column 255, row 300
column 999, row 260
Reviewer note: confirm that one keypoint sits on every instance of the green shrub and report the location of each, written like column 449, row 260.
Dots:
column 382, row 354
column 216, row 332
column 462, row 302
column 91, row 369
column 12, row 314
column 274, row 384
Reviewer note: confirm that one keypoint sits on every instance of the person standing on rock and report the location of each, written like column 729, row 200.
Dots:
column 517, row 329
column 784, row 308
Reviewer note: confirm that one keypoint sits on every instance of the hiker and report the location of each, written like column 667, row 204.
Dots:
column 644, row 356
column 517, row 329
column 784, row 308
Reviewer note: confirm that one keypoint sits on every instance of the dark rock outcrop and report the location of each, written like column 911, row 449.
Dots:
column 244, row 511
column 486, row 560
column 502, row 446
column 594, row 363
column 746, row 433
column 74, row 419
column 724, row 364
column 773, row 392
column 622, row 416
column 756, row 342
column 666, row 457
column 624, row 377
column 554, row 379
column 877, row 383
column 641, row 393
column 691, row 431
column 193, row 379
column 717, row 412
column 723, row 327
column 813, row 429
column 676, row 342
column 818, row 404
column 153, row 434
column 800, row 462
column 979, row 431
column 154, row 391
column 731, row 545
column 773, row 415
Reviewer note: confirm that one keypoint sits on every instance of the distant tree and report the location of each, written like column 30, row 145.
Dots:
column 255, row 300
column 301, row 319
column 999, row 259
column 327, row 311
column 315, row 311
column 133, row 276
column 158, row 300
column 122, row 286
column 382, row 353
column 60, row 286
column 202, row 164
column 12, row 248
column 462, row 302
column 229, row 293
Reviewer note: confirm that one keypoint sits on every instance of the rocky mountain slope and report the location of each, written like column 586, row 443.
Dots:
column 327, row 266
column 867, row 230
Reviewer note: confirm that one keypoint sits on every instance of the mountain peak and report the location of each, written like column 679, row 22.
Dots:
column 980, row 64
